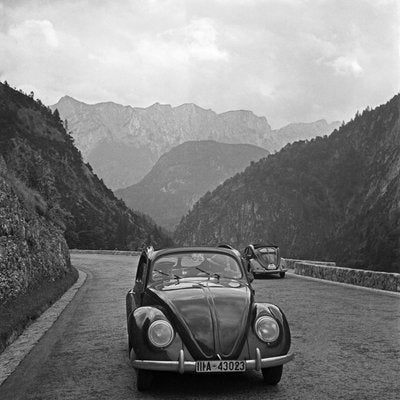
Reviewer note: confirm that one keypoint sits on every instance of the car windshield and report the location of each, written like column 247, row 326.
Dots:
column 267, row 255
column 190, row 264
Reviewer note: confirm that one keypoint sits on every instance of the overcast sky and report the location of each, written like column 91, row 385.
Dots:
column 289, row 60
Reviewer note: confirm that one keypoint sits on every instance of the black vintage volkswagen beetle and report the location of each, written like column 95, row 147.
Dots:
column 192, row 310
column 264, row 259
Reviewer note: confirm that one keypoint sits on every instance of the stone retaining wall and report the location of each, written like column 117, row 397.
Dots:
column 359, row 277
column 290, row 262
column 113, row 252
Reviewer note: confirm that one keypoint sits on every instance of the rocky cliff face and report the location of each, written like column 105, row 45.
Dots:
column 32, row 248
column 38, row 151
column 335, row 198
column 122, row 143
column 183, row 175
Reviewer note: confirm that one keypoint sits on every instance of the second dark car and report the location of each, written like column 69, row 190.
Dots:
column 264, row 259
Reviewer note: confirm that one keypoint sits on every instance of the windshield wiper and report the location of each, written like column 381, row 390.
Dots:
column 169, row 276
column 161, row 272
column 207, row 273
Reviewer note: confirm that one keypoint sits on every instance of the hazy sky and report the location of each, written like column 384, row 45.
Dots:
column 289, row 60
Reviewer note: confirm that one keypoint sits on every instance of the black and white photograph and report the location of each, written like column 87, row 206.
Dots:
column 199, row 199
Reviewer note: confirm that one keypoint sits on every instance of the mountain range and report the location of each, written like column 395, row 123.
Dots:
column 47, row 170
column 333, row 198
column 122, row 143
column 185, row 173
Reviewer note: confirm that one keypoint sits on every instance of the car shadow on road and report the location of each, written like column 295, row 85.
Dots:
column 267, row 277
column 172, row 385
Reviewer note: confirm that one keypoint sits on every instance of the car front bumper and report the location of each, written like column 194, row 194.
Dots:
column 183, row 366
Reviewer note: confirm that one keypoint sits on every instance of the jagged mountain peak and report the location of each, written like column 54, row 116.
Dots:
column 68, row 100
column 159, row 106
column 191, row 107
column 241, row 112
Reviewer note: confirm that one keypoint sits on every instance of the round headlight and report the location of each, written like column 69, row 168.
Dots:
column 267, row 329
column 161, row 333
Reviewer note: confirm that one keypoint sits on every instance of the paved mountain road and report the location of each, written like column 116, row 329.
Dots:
column 346, row 340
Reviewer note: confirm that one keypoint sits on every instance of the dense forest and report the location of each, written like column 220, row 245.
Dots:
column 182, row 175
column 50, row 177
column 331, row 198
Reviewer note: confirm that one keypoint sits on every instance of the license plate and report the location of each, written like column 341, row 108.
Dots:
column 220, row 366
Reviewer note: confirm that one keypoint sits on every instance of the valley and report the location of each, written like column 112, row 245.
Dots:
column 184, row 174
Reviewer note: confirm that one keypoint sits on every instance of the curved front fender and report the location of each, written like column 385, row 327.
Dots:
column 138, row 324
column 282, row 345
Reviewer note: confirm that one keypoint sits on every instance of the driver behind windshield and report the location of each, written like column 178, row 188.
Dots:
column 195, row 265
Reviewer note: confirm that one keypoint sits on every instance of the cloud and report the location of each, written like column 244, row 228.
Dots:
column 33, row 31
column 198, row 39
column 191, row 43
column 288, row 60
column 346, row 65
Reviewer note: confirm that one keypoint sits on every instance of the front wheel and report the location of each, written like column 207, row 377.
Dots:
column 144, row 379
column 282, row 274
column 272, row 375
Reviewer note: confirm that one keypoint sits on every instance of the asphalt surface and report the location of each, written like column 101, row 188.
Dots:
column 346, row 341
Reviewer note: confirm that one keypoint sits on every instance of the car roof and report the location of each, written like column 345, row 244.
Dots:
column 260, row 245
column 195, row 249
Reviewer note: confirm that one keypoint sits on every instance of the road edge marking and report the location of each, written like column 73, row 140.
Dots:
column 20, row 348
column 311, row 278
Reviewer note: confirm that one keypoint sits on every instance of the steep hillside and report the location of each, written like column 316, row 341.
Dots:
column 32, row 247
column 335, row 198
column 38, row 151
column 122, row 143
column 183, row 175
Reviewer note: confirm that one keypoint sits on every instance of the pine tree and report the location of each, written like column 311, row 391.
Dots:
column 56, row 115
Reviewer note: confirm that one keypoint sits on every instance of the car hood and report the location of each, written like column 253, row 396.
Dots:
column 212, row 316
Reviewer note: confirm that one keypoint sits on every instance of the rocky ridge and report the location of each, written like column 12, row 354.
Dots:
column 122, row 143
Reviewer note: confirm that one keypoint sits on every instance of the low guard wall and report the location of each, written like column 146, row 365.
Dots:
column 358, row 277
column 291, row 262
column 113, row 252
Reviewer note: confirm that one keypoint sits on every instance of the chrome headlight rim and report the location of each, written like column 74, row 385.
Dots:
column 271, row 320
column 157, row 324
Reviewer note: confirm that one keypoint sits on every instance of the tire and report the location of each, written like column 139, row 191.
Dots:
column 144, row 379
column 272, row 375
column 282, row 274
